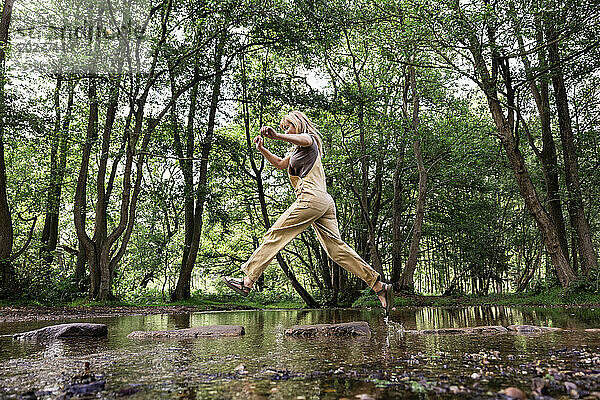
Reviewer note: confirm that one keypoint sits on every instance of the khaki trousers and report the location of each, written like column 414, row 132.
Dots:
column 315, row 208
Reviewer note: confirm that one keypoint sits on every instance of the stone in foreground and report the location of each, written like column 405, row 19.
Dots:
column 64, row 331
column 191, row 333
column 359, row 328
column 532, row 329
column 482, row 330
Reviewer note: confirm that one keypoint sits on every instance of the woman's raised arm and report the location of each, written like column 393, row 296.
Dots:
column 299, row 139
column 277, row 162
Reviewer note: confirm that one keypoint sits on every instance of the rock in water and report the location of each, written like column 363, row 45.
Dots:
column 360, row 328
column 64, row 331
column 191, row 333
column 514, row 393
column 85, row 388
column 483, row 330
column 531, row 329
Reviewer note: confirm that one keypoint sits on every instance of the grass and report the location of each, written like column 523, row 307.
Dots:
column 208, row 301
column 266, row 300
column 551, row 297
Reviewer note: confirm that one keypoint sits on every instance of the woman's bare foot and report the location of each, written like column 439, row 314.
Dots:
column 248, row 282
column 385, row 292
column 377, row 288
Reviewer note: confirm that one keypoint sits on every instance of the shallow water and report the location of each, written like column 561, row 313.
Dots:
column 266, row 364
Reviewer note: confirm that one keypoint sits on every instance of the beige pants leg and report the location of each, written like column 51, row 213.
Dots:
column 320, row 212
column 289, row 225
column 329, row 236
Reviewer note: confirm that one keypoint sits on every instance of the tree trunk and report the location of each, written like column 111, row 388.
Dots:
column 57, row 173
column 529, row 194
column 101, row 256
column 185, row 163
column 532, row 264
column 527, row 189
column 407, row 279
column 51, row 219
column 79, row 209
column 505, row 126
column 182, row 290
column 397, row 217
column 80, row 266
column 579, row 222
column 106, row 261
column 369, row 211
column 547, row 155
column 6, row 229
column 324, row 263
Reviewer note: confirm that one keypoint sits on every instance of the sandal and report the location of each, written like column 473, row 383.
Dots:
column 388, row 290
column 237, row 285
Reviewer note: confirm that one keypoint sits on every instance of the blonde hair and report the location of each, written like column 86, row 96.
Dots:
column 303, row 125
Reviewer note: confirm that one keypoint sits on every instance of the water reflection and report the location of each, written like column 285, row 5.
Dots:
column 325, row 368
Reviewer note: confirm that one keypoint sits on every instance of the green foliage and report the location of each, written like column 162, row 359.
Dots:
column 368, row 298
column 585, row 284
column 345, row 64
column 417, row 387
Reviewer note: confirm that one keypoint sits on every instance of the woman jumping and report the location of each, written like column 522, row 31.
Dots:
column 313, row 206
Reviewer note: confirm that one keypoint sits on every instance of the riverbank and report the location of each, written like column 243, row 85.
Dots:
column 81, row 309
column 556, row 297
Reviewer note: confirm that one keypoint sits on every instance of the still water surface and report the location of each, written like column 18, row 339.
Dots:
column 266, row 364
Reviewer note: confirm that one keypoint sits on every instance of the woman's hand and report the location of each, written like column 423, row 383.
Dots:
column 275, row 161
column 269, row 132
column 258, row 141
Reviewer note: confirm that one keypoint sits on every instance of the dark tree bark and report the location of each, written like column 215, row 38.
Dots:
column 80, row 276
column 82, row 257
column 532, row 264
column 336, row 277
column 505, row 126
column 407, row 280
column 182, row 290
column 51, row 219
column 370, row 203
column 79, row 209
column 186, row 165
column 6, row 229
column 397, row 217
column 579, row 222
column 547, row 154
column 58, row 162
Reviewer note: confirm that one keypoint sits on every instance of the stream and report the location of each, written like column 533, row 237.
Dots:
column 264, row 363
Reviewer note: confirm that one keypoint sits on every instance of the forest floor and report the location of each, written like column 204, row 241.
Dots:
column 24, row 311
